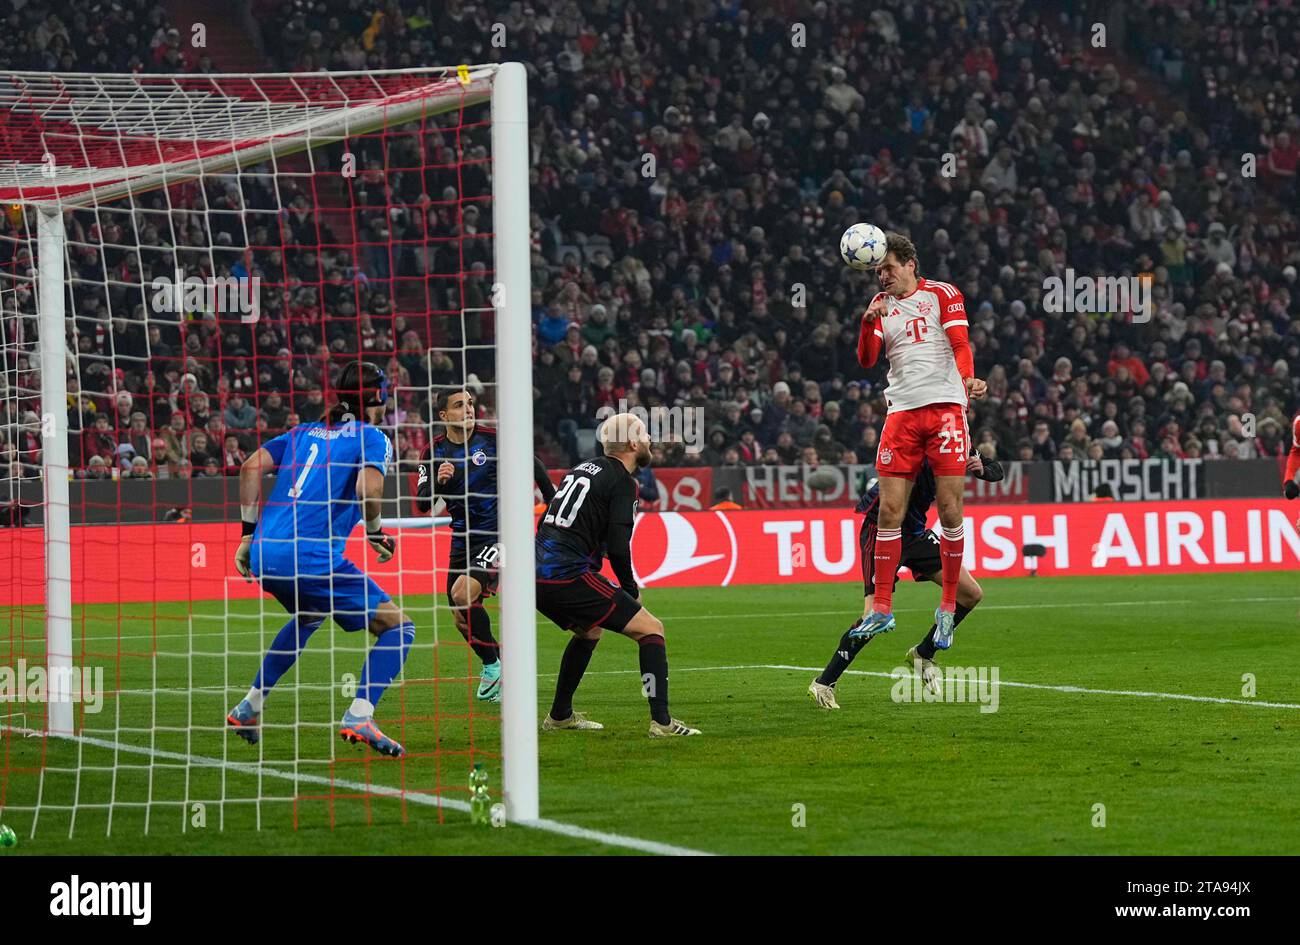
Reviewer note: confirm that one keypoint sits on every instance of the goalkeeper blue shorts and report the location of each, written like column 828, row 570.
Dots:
column 345, row 594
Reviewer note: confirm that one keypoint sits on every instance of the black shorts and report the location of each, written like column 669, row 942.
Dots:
column 586, row 601
column 920, row 555
column 480, row 560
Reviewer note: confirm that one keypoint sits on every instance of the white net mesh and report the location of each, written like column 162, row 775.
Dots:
column 231, row 242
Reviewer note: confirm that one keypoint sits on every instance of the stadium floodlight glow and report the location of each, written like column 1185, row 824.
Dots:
column 144, row 149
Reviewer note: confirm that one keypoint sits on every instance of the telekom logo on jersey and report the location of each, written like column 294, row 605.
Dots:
column 917, row 329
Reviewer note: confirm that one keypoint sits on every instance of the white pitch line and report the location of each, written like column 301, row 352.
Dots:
column 684, row 618
column 1072, row 690
column 542, row 823
column 987, row 607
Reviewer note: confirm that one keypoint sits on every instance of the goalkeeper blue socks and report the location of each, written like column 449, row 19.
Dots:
column 286, row 646
column 383, row 663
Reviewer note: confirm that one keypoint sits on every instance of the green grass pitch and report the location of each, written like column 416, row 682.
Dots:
column 1093, row 724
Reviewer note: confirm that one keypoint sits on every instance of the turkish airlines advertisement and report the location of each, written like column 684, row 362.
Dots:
column 805, row 545
column 142, row 563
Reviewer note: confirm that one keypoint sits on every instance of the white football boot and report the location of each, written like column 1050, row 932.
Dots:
column 823, row 695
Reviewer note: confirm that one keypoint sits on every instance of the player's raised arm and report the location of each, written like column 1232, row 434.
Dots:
column 251, row 472
column 428, row 478
column 424, row 481
column 870, row 338
column 543, row 481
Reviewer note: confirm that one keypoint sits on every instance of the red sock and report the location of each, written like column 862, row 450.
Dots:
column 952, row 542
column 889, row 548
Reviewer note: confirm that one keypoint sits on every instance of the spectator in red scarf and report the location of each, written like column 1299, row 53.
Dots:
column 233, row 457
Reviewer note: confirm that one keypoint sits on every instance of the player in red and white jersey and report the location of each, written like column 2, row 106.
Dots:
column 1289, row 487
column 921, row 327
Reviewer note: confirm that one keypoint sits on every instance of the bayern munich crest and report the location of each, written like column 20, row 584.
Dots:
column 885, row 456
column 925, row 308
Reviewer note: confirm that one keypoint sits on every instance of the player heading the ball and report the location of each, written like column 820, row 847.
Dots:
column 920, row 326
column 590, row 518
column 329, row 474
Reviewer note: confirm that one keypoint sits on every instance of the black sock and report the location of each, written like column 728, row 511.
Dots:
column 654, row 676
column 572, row 665
column 481, row 640
column 925, row 649
column 844, row 653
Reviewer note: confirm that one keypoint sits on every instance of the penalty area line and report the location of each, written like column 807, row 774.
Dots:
column 544, row 824
column 1067, row 689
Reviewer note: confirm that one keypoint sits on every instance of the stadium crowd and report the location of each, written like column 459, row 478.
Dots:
column 692, row 167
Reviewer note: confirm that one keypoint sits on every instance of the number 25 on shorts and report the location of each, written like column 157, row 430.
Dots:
column 952, row 437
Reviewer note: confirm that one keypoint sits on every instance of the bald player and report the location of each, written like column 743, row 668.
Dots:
column 590, row 519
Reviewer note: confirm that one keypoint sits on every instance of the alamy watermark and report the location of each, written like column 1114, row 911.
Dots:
column 973, row 684
column 225, row 295
column 665, row 424
column 23, row 683
column 86, row 898
column 1099, row 295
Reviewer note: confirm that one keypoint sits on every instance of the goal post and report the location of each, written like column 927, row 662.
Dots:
column 54, row 462
column 515, row 405
column 124, row 148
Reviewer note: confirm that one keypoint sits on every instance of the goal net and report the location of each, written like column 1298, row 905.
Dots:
column 187, row 263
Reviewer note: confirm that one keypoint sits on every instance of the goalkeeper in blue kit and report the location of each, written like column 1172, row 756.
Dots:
column 329, row 475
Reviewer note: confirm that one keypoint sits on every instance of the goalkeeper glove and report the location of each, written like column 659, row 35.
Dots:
column 1290, row 489
column 242, row 556
column 385, row 546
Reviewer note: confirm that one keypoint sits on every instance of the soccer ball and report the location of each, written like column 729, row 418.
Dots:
column 862, row 246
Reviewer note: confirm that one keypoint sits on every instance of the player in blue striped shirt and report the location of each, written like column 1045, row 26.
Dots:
column 328, row 474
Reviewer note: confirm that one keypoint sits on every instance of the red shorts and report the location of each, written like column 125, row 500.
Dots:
column 936, row 432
